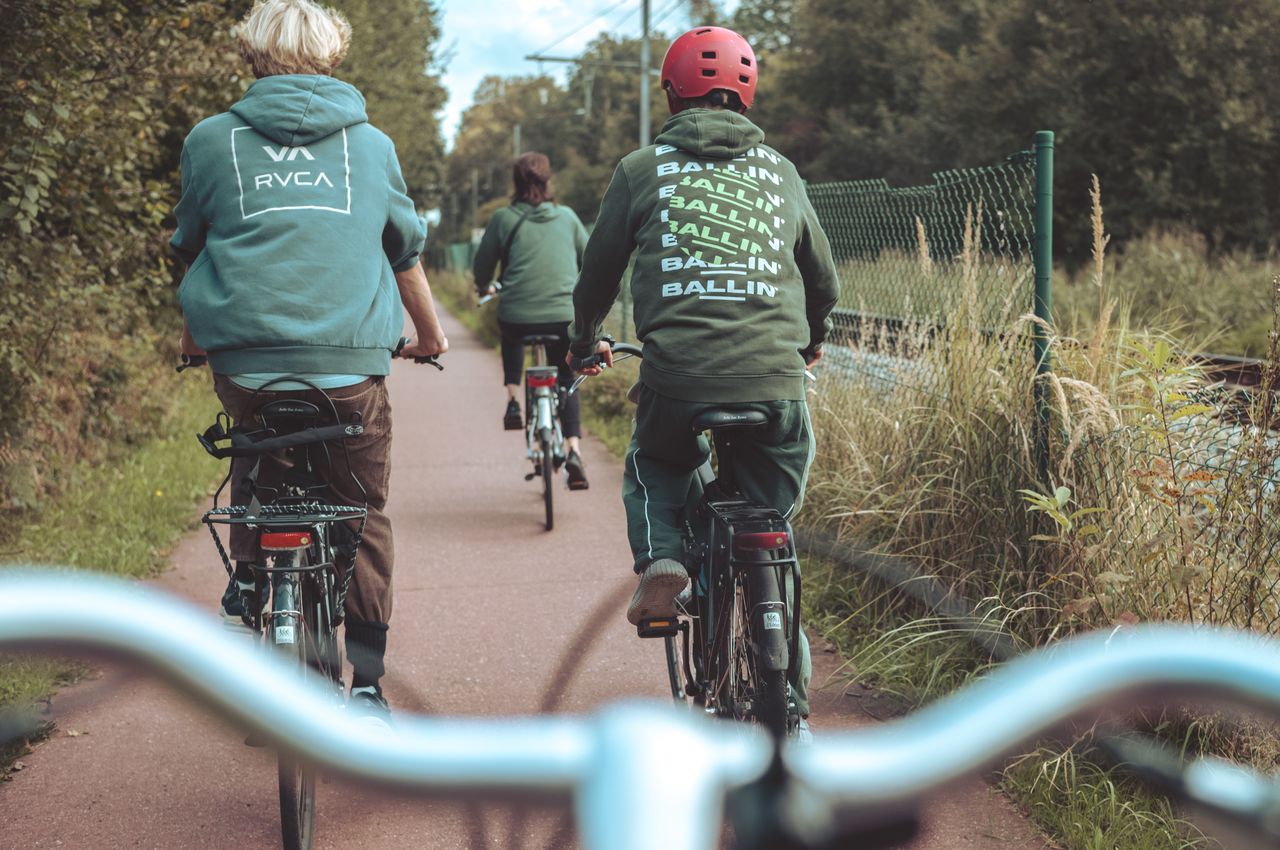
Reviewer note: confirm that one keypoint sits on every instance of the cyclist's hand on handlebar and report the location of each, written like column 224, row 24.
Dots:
column 415, row 347
column 593, row 365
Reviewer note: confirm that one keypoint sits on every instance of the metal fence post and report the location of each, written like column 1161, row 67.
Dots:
column 1044, row 294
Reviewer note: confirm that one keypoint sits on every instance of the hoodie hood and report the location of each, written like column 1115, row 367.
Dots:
column 545, row 211
column 299, row 109
column 711, row 133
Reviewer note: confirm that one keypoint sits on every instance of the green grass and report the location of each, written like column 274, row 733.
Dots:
column 122, row 517
column 1090, row 807
column 915, row 659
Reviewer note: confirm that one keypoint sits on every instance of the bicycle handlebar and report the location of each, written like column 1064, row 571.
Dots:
column 643, row 776
column 431, row 359
column 191, row 361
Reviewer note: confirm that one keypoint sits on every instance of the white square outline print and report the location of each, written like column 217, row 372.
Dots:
column 346, row 161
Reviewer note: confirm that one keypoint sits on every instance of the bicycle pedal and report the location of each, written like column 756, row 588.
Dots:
column 658, row 627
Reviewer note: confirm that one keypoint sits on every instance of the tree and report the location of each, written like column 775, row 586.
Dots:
column 393, row 61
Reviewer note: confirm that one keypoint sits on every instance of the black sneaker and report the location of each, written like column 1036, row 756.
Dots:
column 369, row 706
column 237, row 602
column 512, row 420
column 577, row 472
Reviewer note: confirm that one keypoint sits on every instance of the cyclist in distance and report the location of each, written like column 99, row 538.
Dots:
column 539, row 245
column 302, row 249
column 733, row 284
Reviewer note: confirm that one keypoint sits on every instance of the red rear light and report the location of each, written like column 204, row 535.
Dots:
column 541, row 380
column 761, row 541
column 283, row 541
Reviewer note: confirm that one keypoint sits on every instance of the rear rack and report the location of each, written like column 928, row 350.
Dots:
column 296, row 513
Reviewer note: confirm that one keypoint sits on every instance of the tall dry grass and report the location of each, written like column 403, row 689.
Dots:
column 1162, row 503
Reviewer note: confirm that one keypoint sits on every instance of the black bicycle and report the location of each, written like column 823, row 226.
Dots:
column 308, row 545
column 733, row 646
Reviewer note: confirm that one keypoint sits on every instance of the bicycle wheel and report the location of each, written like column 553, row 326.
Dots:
column 759, row 687
column 548, row 474
column 674, row 676
column 296, row 778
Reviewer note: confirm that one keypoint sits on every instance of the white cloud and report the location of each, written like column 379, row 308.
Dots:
column 494, row 36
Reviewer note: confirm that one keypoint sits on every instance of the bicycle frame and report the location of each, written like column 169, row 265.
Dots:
column 716, row 512
column 614, row 765
column 541, row 402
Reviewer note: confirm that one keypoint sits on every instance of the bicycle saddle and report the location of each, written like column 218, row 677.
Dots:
column 717, row 419
column 541, row 339
column 291, row 414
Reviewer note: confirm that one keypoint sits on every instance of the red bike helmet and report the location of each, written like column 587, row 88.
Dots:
column 709, row 58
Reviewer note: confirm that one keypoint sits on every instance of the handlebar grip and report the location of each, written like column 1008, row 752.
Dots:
column 192, row 361
column 431, row 359
column 580, row 363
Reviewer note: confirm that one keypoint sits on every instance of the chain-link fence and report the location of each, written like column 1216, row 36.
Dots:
column 929, row 272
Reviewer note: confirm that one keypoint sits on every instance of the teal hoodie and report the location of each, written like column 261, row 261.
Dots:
column 733, row 275
column 294, row 217
column 540, row 269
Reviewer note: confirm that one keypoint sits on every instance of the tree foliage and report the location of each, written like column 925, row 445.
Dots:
column 1166, row 100
column 394, row 61
column 97, row 98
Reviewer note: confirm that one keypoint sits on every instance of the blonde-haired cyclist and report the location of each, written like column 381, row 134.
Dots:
column 302, row 247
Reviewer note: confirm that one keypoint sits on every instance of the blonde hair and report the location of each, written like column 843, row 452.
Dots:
column 293, row 37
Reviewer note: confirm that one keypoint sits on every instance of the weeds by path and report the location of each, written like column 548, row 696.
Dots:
column 121, row 517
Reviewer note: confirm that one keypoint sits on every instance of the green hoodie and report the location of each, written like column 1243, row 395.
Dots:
column 542, row 265
column 293, row 217
column 733, row 275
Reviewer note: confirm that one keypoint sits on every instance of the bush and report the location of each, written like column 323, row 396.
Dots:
column 102, row 93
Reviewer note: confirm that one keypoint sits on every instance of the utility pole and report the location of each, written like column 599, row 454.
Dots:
column 475, row 202
column 644, row 73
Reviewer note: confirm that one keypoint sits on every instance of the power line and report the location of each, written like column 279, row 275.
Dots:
column 584, row 25
column 666, row 13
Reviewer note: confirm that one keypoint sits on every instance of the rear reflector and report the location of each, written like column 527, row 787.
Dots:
column 283, row 541
column 541, row 380
column 760, row 541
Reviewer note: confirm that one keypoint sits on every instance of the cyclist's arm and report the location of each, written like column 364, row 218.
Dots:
column 403, row 236
column 189, row 236
column 188, row 345
column 603, row 263
column 818, row 270
column 486, row 261
column 415, row 292
column 579, row 239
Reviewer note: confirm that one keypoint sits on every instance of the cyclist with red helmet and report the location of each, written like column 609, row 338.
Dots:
column 733, row 284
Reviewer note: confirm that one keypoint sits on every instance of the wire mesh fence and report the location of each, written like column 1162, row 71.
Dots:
column 930, row 271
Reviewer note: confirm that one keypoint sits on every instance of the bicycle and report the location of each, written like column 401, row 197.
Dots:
column 299, row 592
column 739, row 630
column 544, row 438
column 855, row 788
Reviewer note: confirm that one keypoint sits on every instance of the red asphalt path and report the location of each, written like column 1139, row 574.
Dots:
column 493, row 616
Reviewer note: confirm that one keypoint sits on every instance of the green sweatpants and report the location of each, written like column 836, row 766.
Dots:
column 771, row 464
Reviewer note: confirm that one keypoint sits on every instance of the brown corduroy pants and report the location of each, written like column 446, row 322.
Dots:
column 369, row 598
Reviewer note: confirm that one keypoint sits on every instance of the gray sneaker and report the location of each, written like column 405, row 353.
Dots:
column 802, row 733
column 660, row 583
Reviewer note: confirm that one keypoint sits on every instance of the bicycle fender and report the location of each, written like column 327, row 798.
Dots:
column 769, row 628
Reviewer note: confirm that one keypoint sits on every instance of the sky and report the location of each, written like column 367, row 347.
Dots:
column 493, row 37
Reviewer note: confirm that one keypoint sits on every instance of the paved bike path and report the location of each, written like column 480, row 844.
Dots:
column 494, row 616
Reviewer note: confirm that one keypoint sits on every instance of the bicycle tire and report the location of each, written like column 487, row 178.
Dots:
column 548, row 475
column 756, row 684
column 674, row 675
column 297, row 780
